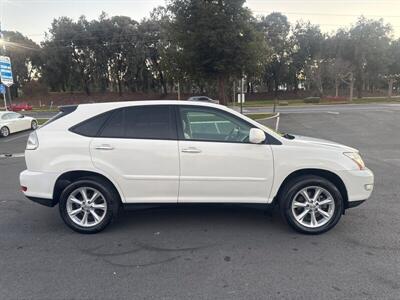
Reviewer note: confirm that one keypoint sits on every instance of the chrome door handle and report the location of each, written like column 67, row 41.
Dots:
column 191, row 150
column 104, row 147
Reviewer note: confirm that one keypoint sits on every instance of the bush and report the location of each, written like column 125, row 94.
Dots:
column 312, row 100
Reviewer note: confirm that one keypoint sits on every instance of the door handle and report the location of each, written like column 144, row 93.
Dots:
column 191, row 150
column 104, row 147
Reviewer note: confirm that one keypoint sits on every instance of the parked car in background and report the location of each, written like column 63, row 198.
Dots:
column 20, row 107
column 203, row 99
column 11, row 122
column 93, row 159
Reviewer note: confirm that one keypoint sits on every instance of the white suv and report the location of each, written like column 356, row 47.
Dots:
column 93, row 159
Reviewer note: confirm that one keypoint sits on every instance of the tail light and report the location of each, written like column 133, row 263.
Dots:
column 33, row 141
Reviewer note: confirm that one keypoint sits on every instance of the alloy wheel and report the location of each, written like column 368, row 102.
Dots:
column 4, row 131
column 86, row 206
column 313, row 206
column 34, row 125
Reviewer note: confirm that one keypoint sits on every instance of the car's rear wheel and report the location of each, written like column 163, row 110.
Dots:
column 311, row 204
column 88, row 205
column 4, row 131
column 34, row 125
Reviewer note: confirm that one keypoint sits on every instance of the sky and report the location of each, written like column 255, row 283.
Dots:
column 33, row 17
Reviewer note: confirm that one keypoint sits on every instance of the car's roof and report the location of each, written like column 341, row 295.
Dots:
column 148, row 102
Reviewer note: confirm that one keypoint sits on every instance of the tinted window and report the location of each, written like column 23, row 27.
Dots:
column 92, row 126
column 149, row 122
column 115, row 125
column 141, row 122
column 212, row 125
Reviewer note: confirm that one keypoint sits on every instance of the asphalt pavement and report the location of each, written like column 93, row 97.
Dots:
column 207, row 252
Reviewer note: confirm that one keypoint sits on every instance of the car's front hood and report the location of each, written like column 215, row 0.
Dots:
column 310, row 141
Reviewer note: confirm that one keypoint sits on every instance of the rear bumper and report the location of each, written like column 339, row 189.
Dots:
column 43, row 201
column 359, row 185
column 38, row 185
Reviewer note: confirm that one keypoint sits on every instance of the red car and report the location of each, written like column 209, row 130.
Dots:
column 20, row 107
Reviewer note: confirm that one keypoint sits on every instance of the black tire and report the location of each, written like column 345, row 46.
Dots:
column 295, row 186
column 108, row 192
column 34, row 125
column 4, row 131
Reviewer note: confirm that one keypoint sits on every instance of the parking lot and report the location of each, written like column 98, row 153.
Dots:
column 225, row 252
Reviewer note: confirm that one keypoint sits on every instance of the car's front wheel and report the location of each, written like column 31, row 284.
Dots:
column 4, row 131
column 311, row 204
column 34, row 125
column 88, row 205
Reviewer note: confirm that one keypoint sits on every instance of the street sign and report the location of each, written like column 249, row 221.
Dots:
column 2, row 89
column 6, row 75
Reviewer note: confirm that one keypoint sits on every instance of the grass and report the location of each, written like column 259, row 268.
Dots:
column 296, row 102
column 42, row 121
column 259, row 116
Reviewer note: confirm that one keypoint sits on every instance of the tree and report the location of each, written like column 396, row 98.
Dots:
column 23, row 53
column 276, row 28
column 216, row 39
column 307, row 58
column 369, row 42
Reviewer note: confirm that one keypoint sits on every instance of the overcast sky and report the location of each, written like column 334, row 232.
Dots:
column 33, row 17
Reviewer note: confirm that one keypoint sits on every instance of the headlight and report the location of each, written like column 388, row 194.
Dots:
column 354, row 156
column 33, row 141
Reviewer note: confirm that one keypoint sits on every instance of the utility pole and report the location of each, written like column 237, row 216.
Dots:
column 179, row 91
column 241, row 95
column 234, row 92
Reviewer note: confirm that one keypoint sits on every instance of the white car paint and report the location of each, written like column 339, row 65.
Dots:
column 15, row 122
column 171, row 171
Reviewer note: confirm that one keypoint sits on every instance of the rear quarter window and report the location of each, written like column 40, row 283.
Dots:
column 92, row 126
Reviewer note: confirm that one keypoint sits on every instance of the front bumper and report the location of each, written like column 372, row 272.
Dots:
column 359, row 185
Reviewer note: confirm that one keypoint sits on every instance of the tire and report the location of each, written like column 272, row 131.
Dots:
column 34, row 125
column 107, row 199
column 4, row 131
column 308, row 215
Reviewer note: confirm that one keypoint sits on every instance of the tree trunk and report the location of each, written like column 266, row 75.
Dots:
column 390, row 90
column 221, row 90
column 119, row 86
column 351, row 87
column 337, row 83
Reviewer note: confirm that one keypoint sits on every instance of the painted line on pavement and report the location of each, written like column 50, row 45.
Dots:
column 14, row 138
column 12, row 155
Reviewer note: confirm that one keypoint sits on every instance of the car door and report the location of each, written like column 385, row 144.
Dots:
column 12, row 122
column 21, row 122
column 217, row 162
column 138, row 147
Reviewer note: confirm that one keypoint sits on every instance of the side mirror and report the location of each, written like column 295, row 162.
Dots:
column 256, row 136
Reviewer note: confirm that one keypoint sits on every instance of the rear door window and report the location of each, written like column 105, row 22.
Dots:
column 149, row 122
column 141, row 122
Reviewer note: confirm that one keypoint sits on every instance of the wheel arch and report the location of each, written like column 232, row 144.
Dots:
column 68, row 177
column 331, row 176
